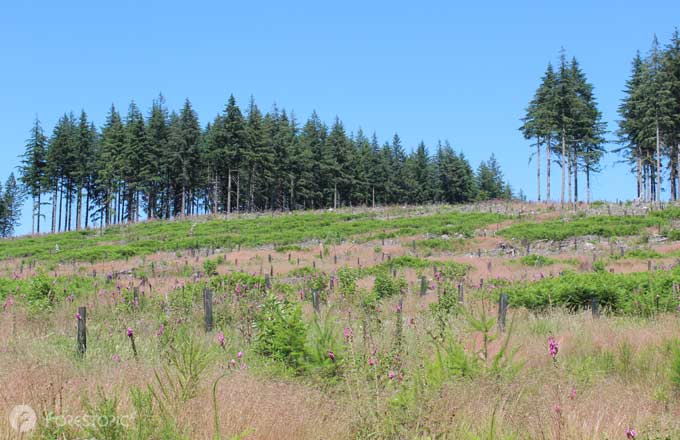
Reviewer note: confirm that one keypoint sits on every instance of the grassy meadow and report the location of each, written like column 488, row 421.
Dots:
column 365, row 324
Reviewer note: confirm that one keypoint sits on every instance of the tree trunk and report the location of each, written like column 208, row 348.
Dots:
column 564, row 165
column 538, row 167
column 61, row 204
column 39, row 214
column 575, row 178
column 570, row 172
column 639, row 174
column 238, row 192
column 54, row 208
column 547, row 169
column 79, row 208
column 87, row 209
column 251, row 197
column 373, row 197
column 229, row 193
column 33, row 218
column 588, row 185
column 658, row 161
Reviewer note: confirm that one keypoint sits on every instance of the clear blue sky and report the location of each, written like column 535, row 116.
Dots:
column 427, row 70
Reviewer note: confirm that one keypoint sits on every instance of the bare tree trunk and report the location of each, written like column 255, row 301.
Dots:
column 54, row 208
column 238, row 192
column 373, row 197
column 229, row 194
column 564, row 165
column 575, row 178
column 292, row 192
column 570, row 172
column 677, row 168
column 79, row 208
column 61, row 204
column 87, row 209
column 538, row 167
column 639, row 174
column 251, row 196
column 547, row 169
column 33, row 218
column 215, row 194
column 658, row 161
column 588, row 185
column 39, row 214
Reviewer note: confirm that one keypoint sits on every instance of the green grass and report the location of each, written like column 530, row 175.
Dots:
column 634, row 293
column 603, row 226
column 121, row 242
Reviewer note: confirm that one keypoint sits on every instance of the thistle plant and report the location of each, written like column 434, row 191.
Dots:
column 131, row 336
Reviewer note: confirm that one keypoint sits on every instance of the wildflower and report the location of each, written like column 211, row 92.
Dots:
column 331, row 355
column 432, row 286
column 372, row 362
column 398, row 308
column 630, row 433
column 558, row 409
column 239, row 355
column 243, row 366
column 70, row 298
column 392, row 374
column 78, row 317
column 220, row 339
column 232, row 363
column 572, row 395
column 554, row 347
column 161, row 331
column 348, row 333
column 131, row 335
column 9, row 302
column 115, row 358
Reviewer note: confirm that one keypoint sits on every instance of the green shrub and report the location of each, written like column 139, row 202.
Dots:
column 386, row 286
column 281, row 332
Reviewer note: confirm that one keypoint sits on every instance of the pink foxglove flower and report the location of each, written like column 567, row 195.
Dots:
column 553, row 347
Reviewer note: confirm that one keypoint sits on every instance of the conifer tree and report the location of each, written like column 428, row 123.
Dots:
column 33, row 171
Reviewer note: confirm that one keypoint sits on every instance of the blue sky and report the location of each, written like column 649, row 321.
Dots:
column 427, row 70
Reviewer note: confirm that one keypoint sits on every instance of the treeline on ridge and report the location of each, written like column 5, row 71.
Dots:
column 166, row 165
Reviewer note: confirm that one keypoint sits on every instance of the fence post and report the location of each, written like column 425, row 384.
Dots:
column 82, row 330
column 595, row 307
column 267, row 282
column 315, row 301
column 502, row 310
column 207, row 308
column 461, row 293
column 423, row 286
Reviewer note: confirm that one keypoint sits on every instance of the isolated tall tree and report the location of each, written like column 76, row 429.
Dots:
column 86, row 138
column 540, row 122
column 33, row 171
column 630, row 125
column 11, row 199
